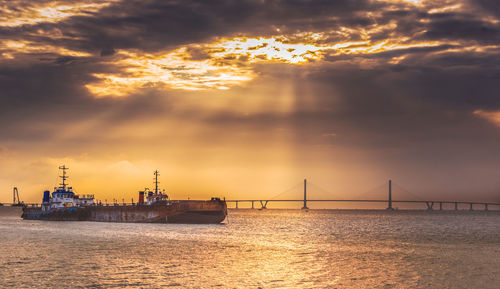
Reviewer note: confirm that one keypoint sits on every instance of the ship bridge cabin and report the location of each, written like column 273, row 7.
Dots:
column 62, row 198
column 152, row 197
column 157, row 197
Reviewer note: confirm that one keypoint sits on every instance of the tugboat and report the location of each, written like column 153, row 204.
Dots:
column 152, row 207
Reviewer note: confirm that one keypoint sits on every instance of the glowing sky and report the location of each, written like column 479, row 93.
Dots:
column 246, row 98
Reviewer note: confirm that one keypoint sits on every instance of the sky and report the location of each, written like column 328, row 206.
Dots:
column 245, row 99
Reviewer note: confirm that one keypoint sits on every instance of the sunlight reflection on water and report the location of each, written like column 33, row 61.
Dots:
column 268, row 249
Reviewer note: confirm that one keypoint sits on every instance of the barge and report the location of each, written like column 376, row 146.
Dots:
column 153, row 207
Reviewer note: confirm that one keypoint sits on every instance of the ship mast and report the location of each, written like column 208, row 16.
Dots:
column 63, row 177
column 156, row 173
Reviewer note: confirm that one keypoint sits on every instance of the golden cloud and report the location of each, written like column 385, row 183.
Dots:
column 140, row 70
column 415, row 2
column 222, row 64
column 10, row 49
column 491, row 116
column 51, row 12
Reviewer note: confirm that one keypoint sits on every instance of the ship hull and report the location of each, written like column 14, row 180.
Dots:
column 186, row 212
column 198, row 217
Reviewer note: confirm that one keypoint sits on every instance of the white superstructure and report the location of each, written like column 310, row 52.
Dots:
column 64, row 197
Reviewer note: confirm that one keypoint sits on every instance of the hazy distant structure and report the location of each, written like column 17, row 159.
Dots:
column 16, row 201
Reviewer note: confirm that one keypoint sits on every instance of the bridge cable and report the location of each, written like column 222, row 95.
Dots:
column 397, row 186
column 380, row 188
column 312, row 185
column 286, row 191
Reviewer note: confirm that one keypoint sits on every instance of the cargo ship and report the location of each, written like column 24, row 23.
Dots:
column 152, row 207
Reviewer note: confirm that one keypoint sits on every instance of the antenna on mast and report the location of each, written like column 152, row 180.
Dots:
column 156, row 173
column 63, row 177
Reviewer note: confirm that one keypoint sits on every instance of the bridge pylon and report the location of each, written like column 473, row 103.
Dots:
column 305, row 196
column 389, row 201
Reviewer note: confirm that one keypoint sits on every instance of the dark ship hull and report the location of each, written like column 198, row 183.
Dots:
column 185, row 212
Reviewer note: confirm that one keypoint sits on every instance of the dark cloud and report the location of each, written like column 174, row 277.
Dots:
column 157, row 25
column 160, row 25
column 40, row 101
column 451, row 27
column 488, row 7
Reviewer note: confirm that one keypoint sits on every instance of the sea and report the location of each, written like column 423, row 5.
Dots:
column 257, row 249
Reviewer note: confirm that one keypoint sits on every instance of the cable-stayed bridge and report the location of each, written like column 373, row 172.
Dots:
column 386, row 189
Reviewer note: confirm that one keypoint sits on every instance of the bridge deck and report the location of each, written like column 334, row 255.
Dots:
column 368, row 201
column 430, row 203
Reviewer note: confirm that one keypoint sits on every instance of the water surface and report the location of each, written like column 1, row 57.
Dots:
column 267, row 249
